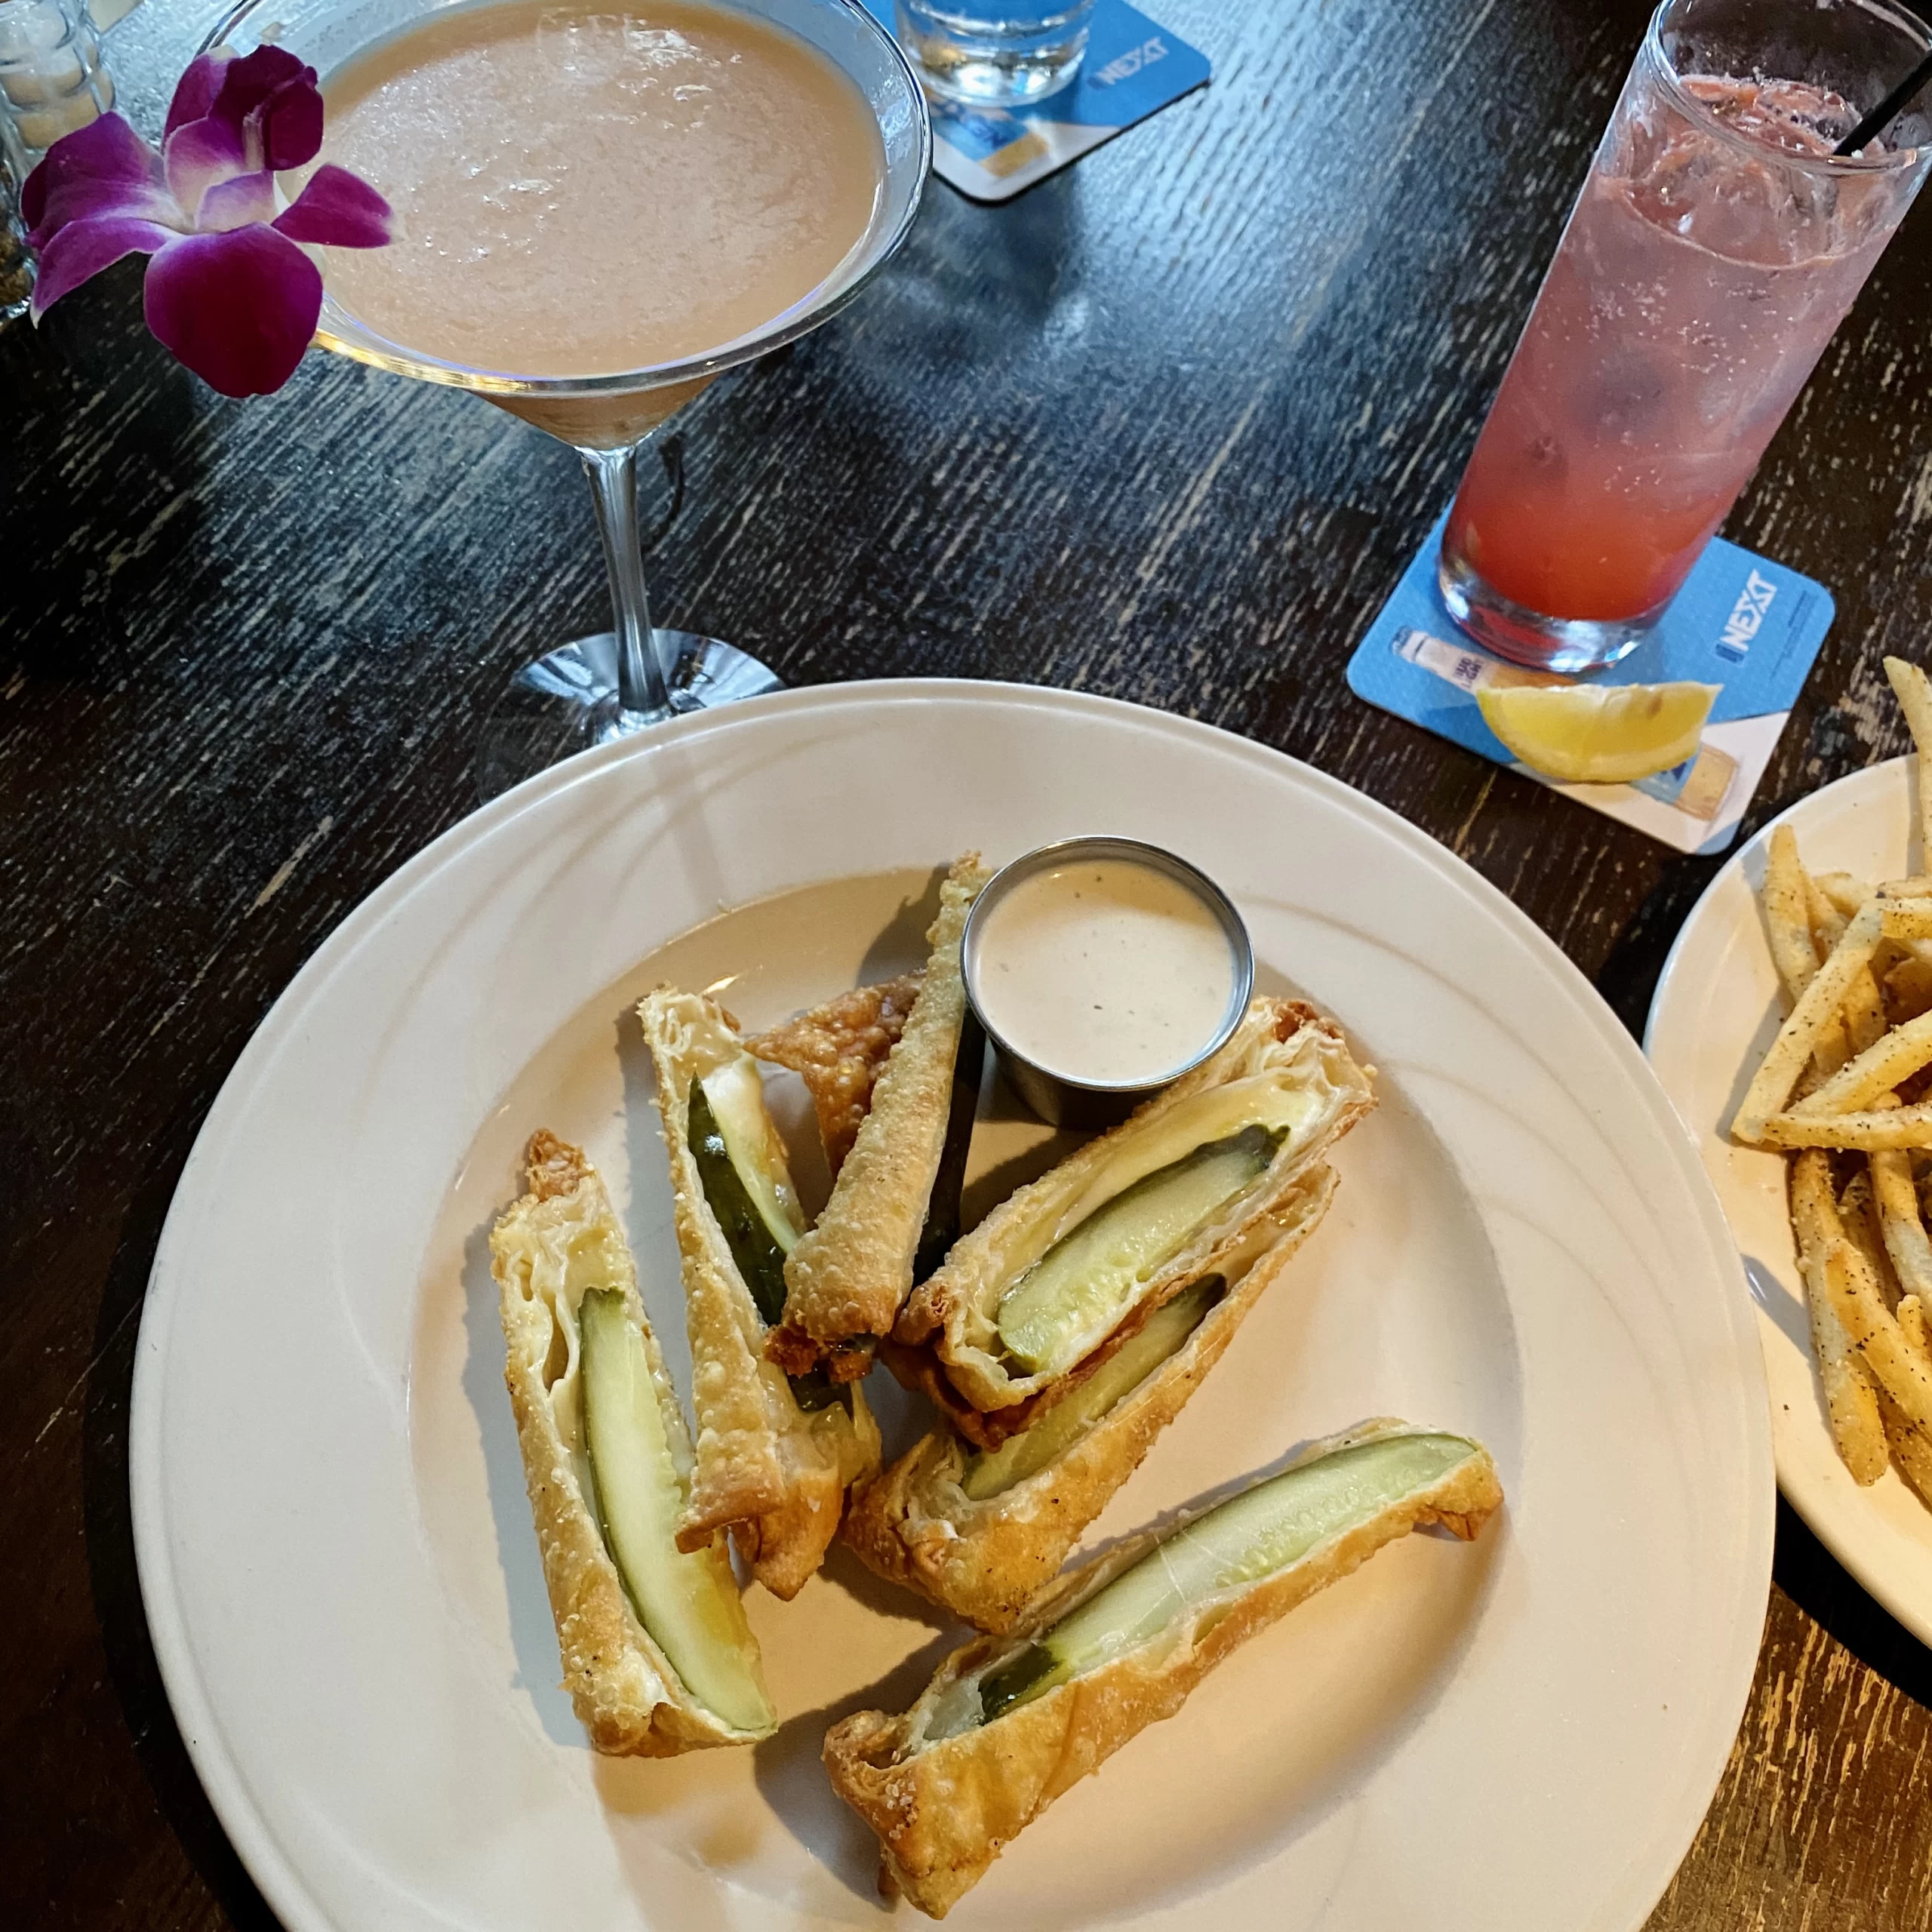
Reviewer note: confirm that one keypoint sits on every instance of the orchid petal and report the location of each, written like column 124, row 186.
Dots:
column 337, row 209
column 271, row 97
column 103, row 169
column 248, row 80
column 194, row 92
column 202, row 154
column 247, row 197
column 239, row 309
column 82, row 249
column 291, row 124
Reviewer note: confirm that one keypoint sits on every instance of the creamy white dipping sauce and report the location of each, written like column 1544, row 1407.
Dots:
column 1104, row 971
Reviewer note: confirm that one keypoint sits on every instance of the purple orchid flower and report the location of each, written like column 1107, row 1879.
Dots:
column 228, row 291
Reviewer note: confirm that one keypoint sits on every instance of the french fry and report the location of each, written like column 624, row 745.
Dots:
column 1911, row 1316
column 1907, row 920
column 1834, row 1048
column 1901, row 1225
column 1918, row 886
column 1912, row 1454
column 1804, row 927
column 1771, row 1086
column 1865, row 1021
column 1913, row 693
column 1787, row 914
column 1828, row 923
column 1908, row 989
column 1851, row 1405
column 1894, row 1056
column 1843, row 893
column 1882, row 1127
column 1903, row 1376
column 1858, row 1215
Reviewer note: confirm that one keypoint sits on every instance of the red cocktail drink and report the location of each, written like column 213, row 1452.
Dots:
column 1715, row 247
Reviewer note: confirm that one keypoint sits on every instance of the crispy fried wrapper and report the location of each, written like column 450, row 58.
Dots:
column 775, row 1472
column 945, row 1807
column 839, row 1050
column 946, row 1342
column 627, row 1694
column 984, row 1559
column 846, row 1280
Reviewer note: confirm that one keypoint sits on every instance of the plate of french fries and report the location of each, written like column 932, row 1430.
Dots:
column 1792, row 1027
column 531, row 1538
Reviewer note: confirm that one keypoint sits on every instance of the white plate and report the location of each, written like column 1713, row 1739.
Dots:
column 1715, row 1010
column 338, row 1561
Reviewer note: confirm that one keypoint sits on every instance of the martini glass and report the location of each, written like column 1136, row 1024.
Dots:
column 625, row 679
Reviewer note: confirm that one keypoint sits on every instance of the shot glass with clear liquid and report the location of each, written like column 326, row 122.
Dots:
column 995, row 53
column 1716, row 246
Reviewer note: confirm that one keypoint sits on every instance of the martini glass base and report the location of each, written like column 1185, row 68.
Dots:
column 568, row 701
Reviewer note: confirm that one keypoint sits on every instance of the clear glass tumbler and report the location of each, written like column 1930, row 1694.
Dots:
column 1716, row 246
column 996, row 53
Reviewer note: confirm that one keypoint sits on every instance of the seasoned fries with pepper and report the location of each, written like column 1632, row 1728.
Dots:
column 1846, row 1087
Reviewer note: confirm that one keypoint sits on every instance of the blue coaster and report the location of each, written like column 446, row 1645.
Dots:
column 1740, row 621
column 1132, row 69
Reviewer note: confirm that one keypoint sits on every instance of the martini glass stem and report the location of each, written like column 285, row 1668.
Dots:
column 643, row 679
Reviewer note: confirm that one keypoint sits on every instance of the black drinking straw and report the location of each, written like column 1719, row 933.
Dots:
column 1887, row 110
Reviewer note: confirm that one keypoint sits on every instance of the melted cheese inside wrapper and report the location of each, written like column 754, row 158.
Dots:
column 982, row 1531
column 1165, row 1333
column 1045, row 1284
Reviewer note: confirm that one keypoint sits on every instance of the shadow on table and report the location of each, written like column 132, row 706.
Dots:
column 1814, row 1579
column 131, row 1665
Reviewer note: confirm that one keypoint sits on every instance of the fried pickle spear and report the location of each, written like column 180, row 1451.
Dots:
column 982, row 1530
column 1036, row 1296
column 657, row 1656
column 774, row 1456
column 1009, row 1724
column 846, row 1280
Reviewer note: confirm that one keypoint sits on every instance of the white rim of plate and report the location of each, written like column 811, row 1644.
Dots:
column 282, row 1883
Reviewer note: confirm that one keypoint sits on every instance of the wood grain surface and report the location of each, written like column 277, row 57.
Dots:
column 1167, row 426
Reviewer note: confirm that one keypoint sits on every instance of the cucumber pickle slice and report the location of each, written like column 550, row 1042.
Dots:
column 1257, row 1533
column 1070, row 1298
column 751, row 1225
column 752, row 1215
column 690, row 1604
column 1164, row 1333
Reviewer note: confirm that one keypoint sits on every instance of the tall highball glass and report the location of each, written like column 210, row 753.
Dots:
column 1716, row 245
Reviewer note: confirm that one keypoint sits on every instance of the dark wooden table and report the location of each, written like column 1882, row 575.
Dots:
column 1168, row 427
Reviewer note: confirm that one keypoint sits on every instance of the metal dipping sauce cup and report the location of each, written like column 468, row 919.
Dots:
column 1056, row 1097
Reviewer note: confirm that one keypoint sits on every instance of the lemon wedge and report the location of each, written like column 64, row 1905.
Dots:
column 1599, row 734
